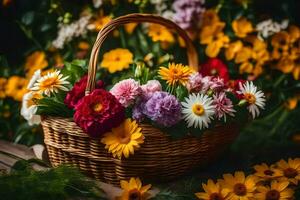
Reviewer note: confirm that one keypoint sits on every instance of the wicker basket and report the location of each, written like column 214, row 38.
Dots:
column 159, row 157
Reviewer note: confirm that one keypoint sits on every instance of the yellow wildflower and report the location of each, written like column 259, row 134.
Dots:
column 133, row 189
column 16, row 87
column 212, row 191
column 291, row 103
column 129, row 28
column 160, row 33
column 36, row 60
column 100, row 21
column 210, row 17
column 232, row 49
column 290, row 170
column 277, row 191
column 3, row 82
column 242, row 27
column 117, row 60
column 175, row 74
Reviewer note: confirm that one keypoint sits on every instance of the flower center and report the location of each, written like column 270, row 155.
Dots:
column 216, row 196
column 134, row 195
column 273, row 195
column 118, row 58
column 290, row 173
column 48, row 82
column 214, row 72
column 250, row 98
column 268, row 172
column 240, row 189
column 124, row 139
column 97, row 107
column 198, row 109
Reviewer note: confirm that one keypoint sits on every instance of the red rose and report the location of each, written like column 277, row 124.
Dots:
column 78, row 91
column 98, row 112
column 215, row 67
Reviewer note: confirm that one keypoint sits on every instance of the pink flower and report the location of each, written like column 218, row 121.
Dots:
column 223, row 105
column 126, row 91
column 151, row 86
column 195, row 83
column 217, row 84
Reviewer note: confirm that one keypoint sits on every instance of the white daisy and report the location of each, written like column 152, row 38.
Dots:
column 29, row 108
column 34, row 78
column 51, row 83
column 255, row 98
column 198, row 110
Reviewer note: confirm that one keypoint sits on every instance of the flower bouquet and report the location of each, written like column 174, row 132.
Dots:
column 157, row 122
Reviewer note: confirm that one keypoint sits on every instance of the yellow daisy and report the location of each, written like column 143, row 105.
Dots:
column 117, row 60
column 289, row 170
column 239, row 186
column 160, row 33
column 264, row 172
column 16, row 87
column 52, row 82
column 175, row 74
column 133, row 189
column 35, row 61
column 3, row 82
column 277, row 191
column 212, row 191
column 124, row 139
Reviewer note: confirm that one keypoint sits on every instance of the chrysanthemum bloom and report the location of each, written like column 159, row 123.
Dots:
column 277, row 191
column 99, row 112
column 159, row 33
column 163, row 108
column 223, row 105
column 16, row 87
column 3, row 82
column 255, row 98
column 198, row 110
column 215, row 67
column 29, row 108
column 35, row 61
column 289, row 170
column 126, row 91
column 51, row 83
column 151, row 86
column 195, row 83
column 212, row 191
column 241, row 27
column 265, row 172
column 175, row 74
column 117, row 60
column 217, row 84
column 78, row 92
column 239, row 186
column 133, row 189
column 124, row 139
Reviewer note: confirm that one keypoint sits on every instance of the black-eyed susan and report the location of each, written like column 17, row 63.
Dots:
column 124, row 139
column 265, row 172
column 239, row 186
column 290, row 170
column 117, row 60
column 212, row 191
column 3, row 82
column 133, row 190
column 159, row 33
column 175, row 74
column 277, row 191
column 16, row 87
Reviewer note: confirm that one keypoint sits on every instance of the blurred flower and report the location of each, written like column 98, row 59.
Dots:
column 175, row 74
column 16, row 87
column 29, row 108
column 290, row 171
column 3, row 82
column 159, row 33
column 241, row 27
column 278, row 191
column 6, row 2
column 255, row 98
column 83, row 45
column 133, row 189
column 36, row 76
column 268, row 27
column 124, row 139
column 223, row 105
column 36, row 60
column 292, row 103
column 151, row 86
column 97, row 3
column 210, row 17
column 195, row 83
column 117, row 60
column 58, row 60
column 99, row 22
column 126, row 91
column 163, row 108
column 280, row 43
column 265, row 173
column 129, row 27
column 294, row 32
column 212, row 191
column 239, row 186
column 215, row 67
column 232, row 49
column 198, row 110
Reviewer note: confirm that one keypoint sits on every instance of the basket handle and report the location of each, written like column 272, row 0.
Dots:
column 135, row 17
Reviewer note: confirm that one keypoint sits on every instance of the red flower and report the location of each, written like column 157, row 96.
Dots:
column 98, row 112
column 234, row 85
column 78, row 91
column 215, row 67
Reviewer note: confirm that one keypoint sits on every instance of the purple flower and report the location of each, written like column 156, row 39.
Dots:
column 138, row 110
column 188, row 13
column 163, row 108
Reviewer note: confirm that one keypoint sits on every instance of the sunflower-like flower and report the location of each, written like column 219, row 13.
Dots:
column 289, row 170
column 133, row 189
column 124, row 139
column 212, row 191
column 52, row 82
column 159, row 33
column 265, row 172
column 277, row 191
column 239, row 186
column 175, row 74
column 117, row 60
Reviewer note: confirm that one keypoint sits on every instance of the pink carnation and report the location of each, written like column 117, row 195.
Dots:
column 223, row 105
column 195, row 83
column 126, row 91
column 150, row 87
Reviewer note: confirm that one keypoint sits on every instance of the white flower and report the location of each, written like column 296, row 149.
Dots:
column 50, row 83
column 269, row 27
column 255, row 98
column 34, row 78
column 198, row 110
column 29, row 108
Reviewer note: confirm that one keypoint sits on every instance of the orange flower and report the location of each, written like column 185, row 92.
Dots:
column 16, row 87
column 242, row 27
column 3, row 82
column 129, row 28
column 100, row 21
column 36, row 60
column 159, row 33
column 210, row 17
column 232, row 49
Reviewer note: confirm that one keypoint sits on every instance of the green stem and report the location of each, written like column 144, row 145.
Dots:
column 280, row 121
column 279, row 80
